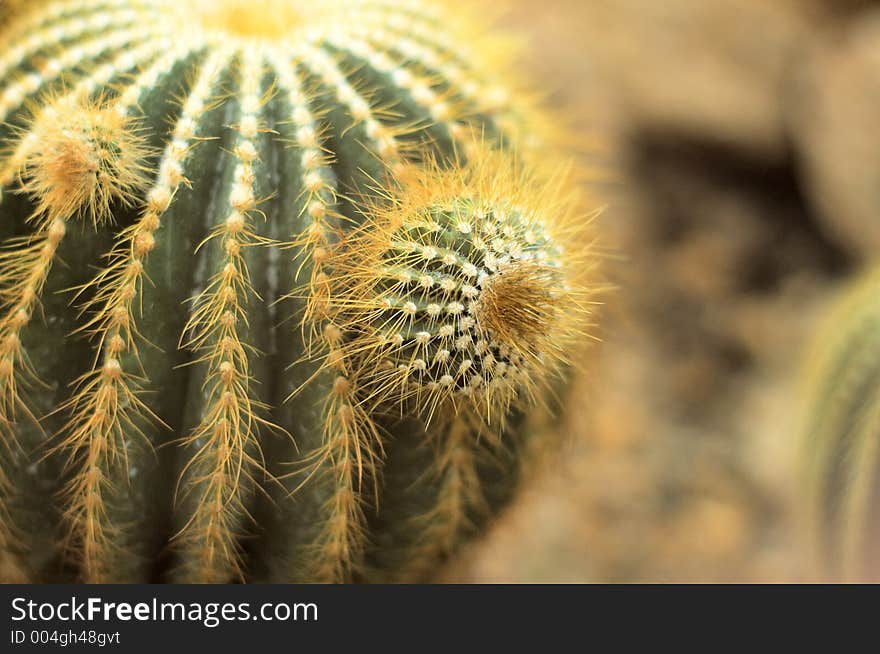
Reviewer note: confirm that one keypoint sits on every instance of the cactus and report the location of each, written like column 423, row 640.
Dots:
column 842, row 456
column 280, row 282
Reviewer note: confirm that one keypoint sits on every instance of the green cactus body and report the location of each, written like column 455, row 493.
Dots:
column 212, row 365
column 842, row 453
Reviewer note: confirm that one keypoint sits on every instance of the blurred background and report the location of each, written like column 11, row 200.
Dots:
column 742, row 140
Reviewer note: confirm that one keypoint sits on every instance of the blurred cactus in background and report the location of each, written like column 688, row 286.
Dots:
column 842, row 445
column 280, row 282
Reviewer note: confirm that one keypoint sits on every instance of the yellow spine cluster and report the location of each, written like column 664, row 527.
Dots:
column 226, row 439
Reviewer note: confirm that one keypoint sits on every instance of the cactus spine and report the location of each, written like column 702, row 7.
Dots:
column 328, row 257
column 842, row 456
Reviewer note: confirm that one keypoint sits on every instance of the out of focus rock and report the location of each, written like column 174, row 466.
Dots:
column 710, row 69
column 834, row 124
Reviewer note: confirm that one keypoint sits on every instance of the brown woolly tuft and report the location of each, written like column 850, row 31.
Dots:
column 519, row 307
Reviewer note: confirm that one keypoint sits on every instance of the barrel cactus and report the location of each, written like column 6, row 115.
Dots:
column 842, row 455
column 280, row 283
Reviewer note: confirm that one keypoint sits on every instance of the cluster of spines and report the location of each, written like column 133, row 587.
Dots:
column 226, row 441
column 25, row 265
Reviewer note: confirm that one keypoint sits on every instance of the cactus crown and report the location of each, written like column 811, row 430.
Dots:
column 266, row 19
column 317, row 226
